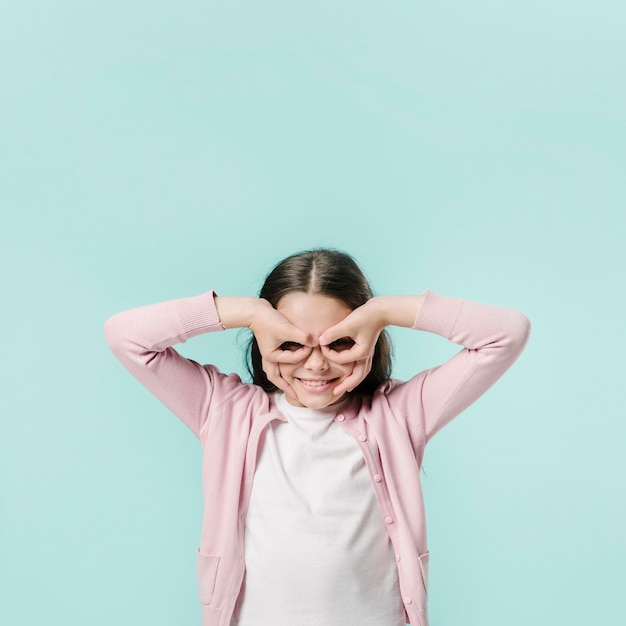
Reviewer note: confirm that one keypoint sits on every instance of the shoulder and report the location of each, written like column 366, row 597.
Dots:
column 231, row 390
column 394, row 390
column 394, row 395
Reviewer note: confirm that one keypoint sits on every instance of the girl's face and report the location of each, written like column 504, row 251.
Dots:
column 314, row 378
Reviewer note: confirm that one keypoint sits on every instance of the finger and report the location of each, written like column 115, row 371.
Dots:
column 353, row 380
column 272, row 372
column 347, row 385
column 355, row 353
column 290, row 356
column 300, row 336
column 338, row 331
column 359, row 374
column 283, row 385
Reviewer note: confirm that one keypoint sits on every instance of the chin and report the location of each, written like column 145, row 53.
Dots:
column 319, row 402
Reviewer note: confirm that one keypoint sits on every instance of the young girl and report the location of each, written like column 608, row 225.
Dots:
column 313, row 509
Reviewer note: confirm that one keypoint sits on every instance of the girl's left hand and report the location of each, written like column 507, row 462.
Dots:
column 353, row 340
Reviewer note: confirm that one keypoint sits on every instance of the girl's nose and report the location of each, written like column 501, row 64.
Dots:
column 316, row 360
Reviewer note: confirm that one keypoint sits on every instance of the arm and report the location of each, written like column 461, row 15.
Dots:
column 493, row 337
column 143, row 339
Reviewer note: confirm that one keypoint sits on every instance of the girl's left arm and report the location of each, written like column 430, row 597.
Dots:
column 363, row 327
column 492, row 338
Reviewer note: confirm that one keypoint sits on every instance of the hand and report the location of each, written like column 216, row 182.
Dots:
column 272, row 330
column 353, row 340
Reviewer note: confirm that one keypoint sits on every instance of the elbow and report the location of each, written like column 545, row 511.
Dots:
column 121, row 336
column 113, row 332
column 520, row 331
column 525, row 328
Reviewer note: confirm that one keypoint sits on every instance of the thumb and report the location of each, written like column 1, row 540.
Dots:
column 301, row 336
column 338, row 331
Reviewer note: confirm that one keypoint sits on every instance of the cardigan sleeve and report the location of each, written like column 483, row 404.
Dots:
column 492, row 337
column 142, row 340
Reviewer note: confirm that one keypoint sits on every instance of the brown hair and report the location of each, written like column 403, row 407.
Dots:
column 330, row 273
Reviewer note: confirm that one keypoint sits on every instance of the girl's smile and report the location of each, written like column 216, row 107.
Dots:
column 317, row 385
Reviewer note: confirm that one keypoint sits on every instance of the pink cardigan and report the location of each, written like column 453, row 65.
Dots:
column 392, row 427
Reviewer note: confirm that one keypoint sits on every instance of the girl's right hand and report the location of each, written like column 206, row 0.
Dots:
column 272, row 331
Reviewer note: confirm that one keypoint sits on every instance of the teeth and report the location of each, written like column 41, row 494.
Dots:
column 314, row 383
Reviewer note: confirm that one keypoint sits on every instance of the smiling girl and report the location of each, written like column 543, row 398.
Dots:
column 313, row 509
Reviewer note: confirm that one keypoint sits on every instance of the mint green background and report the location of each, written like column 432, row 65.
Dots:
column 153, row 150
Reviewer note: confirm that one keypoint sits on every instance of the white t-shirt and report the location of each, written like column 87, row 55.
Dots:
column 316, row 548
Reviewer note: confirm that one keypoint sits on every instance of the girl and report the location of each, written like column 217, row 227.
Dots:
column 313, row 510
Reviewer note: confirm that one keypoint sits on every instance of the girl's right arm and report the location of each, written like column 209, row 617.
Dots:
column 143, row 339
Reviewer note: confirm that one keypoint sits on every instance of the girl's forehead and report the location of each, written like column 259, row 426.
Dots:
column 312, row 311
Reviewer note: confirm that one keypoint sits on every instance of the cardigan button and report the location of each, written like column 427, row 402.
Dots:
column 388, row 520
column 362, row 438
column 408, row 600
column 340, row 418
column 377, row 477
column 398, row 557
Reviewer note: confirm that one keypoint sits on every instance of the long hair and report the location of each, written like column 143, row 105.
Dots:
column 326, row 272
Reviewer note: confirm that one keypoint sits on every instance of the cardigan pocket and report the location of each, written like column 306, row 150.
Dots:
column 424, row 561
column 207, row 572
